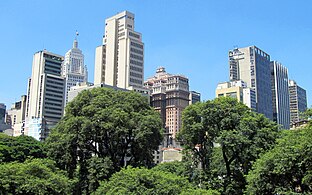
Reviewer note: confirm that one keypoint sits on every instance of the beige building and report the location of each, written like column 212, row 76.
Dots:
column 119, row 61
column 169, row 96
column 238, row 90
column 46, row 91
column 16, row 116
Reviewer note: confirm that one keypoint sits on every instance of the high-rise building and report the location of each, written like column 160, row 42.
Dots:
column 119, row 61
column 280, row 94
column 238, row 90
column 252, row 65
column 16, row 116
column 2, row 113
column 298, row 101
column 46, row 94
column 169, row 96
column 73, row 68
column 194, row 97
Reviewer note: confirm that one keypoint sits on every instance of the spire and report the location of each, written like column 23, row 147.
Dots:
column 75, row 44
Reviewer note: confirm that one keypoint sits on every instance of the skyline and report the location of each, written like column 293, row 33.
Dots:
column 185, row 38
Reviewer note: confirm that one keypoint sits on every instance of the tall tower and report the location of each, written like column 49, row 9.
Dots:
column 119, row 61
column 298, row 101
column 252, row 65
column 169, row 96
column 280, row 94
column 46, row 94
column 73, row 68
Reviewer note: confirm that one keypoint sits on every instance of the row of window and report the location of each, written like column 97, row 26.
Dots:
column 136, row 51
column 136, row 45
column 136, row 57
column 134, row 35
column 136, row 81
column 136, row 69
column 136, row 75
column 136, row 63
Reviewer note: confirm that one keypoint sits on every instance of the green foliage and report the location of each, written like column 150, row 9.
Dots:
column 37, row 176
column 107, row 124
column 184, row 169
column 225, row 137
column 19, row 148
column 287, row 168
column 145, row 181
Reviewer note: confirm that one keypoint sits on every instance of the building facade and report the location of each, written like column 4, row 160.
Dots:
column 194, row 97
column 238, row 90
column 169, row 96
column 252, row 65
column 16, row 116
column 46, row 93
column 298, row 101
column 73, row 68
column 119, row 61
column 2, row 113
column 280, row 94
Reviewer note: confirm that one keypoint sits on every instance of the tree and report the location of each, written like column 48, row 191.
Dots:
column 287, row 168
column 37, row 176
column 145, row 181
column 19, row 148
column 225, row 137
column 117, row 126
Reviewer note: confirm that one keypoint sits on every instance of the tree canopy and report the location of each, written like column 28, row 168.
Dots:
column 225, row 137
column 117, row 126
column 36, row 176
column 287, row 168
column 148, row 181
column 19, row 148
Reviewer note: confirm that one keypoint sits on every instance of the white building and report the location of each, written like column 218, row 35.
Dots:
column 239, row 90
column 298, row 101
column 252, row 65
column 280, row 94
column 73, row 68
column 46, row 90
column 119, row 61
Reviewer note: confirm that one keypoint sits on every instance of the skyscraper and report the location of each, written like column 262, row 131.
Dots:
column 119, row 61
column 252, row 65
column 194, row 97
column 73, row 68
column 169, row 96
column 46, row 94
column 298, row 101
column 280, row 94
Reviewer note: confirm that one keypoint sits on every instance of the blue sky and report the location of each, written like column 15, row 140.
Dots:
column 188, row 37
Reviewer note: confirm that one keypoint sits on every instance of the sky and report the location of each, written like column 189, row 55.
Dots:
column 188, row 37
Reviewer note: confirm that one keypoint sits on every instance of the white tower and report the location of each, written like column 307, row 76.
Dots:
column 119, row 61
column 73, row 68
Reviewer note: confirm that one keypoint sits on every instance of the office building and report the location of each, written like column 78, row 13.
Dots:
column 298, row 101
column 73, row 68
column 280, row 94
column 238, row 90
column 194, row 97
column 46, row 94
column 2, row 113
column 252, row 65
column 119, row 61
column 16, row 116
column 169, row 96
